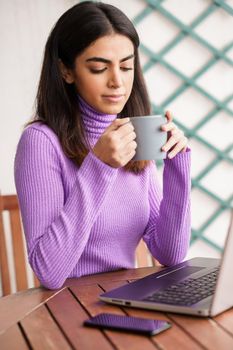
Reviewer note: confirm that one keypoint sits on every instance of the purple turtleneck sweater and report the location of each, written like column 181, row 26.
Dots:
column 86, row 220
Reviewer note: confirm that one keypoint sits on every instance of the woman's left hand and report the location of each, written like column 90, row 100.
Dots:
column 177, row 142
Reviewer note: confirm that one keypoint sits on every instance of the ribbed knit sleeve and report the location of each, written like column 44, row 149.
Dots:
column 57, row 228
column 167, row 234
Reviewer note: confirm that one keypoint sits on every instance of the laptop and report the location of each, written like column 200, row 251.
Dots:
column 199, row 286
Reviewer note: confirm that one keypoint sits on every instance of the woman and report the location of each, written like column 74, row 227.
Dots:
column 85, row 204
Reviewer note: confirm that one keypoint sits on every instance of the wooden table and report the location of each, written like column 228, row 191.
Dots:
column 42, row 319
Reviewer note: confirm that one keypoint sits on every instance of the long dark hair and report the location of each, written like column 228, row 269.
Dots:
column 56, row 101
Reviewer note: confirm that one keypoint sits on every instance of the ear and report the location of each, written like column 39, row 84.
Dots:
column 66, row 73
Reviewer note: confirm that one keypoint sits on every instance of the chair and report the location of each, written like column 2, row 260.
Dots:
column 9, row 203
column 143, row 256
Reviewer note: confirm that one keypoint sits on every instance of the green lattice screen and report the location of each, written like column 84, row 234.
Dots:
column 191, row 81
column 216, row 55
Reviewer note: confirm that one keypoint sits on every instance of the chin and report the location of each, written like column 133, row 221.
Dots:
column 113, row 109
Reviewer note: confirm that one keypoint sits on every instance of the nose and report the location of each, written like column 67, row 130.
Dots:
column 115, row 79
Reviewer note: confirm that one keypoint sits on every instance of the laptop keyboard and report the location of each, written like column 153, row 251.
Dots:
column 188, row 292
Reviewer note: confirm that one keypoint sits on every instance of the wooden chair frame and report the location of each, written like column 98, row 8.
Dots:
column 10, row 204
column 143, row 256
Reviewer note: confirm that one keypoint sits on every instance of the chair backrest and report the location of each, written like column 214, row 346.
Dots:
column 9, row 203
column 143, row 256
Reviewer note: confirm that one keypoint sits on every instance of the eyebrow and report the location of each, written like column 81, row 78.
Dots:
column 104, row 60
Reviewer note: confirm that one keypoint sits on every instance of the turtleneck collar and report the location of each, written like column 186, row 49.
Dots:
column 95, row 122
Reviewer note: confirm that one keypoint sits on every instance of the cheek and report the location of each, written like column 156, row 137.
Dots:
column 95, row 87
column 129, row 83
column 89, row 83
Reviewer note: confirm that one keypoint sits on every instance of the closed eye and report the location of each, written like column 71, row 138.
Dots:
column 98, row 71
column 126, row 68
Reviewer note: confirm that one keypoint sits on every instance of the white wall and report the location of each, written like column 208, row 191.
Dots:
column 24, row 27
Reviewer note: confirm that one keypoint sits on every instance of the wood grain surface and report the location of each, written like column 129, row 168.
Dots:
column 43, row 319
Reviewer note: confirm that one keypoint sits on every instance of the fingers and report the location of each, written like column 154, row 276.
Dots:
column 121, row 136
column 176, row 136
column 122, row 127
column 169, row 126
column 117, row 123
column 129, row 137
column 177, row 142
column 169, row 116
column 124, row 130
column 180, row 146
column 130, row 153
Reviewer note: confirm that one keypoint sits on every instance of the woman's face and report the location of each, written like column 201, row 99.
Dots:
column 104, row 73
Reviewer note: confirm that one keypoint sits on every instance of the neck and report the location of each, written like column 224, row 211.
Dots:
column 95, row 122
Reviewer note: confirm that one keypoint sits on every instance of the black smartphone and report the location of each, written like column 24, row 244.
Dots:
column 128, row 324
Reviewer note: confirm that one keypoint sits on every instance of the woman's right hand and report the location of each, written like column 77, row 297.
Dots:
column 116, row 146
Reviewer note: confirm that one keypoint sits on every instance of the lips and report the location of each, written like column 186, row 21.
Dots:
column 113, row 98
column 117, row 95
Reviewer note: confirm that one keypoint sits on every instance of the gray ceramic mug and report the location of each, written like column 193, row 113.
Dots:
column 149, row 137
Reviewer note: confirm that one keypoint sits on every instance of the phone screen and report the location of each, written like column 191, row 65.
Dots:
column 128, row 323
